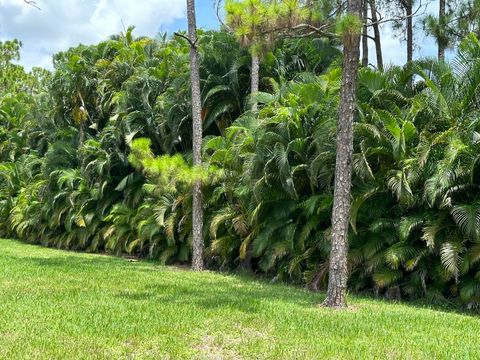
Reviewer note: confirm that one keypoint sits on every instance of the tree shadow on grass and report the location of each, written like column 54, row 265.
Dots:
column 246, row 293
column 73, row 261
column 257, row 299
column 253, row 300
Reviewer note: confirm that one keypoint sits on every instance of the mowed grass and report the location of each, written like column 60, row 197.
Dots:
column 63, row 305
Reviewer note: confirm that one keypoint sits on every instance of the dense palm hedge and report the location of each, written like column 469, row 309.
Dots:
column 95, row 157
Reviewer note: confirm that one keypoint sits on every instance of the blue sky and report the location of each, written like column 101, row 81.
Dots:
column 206, row 17
column 61, row 24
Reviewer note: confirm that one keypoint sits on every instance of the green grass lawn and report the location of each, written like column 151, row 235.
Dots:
column 62, row 305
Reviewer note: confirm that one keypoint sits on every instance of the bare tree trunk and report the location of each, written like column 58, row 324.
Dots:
column 338, row 269
column 197, row 213
column 441, row 44
column 84, row 117
column 376, row 34
column 409, row 13
column 81, row 134
column 254, row 76
column 365, row 34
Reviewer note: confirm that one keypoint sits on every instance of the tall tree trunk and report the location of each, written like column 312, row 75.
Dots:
column 81, row 134
column 441, row 43
column 338, row 269
column 409, row 13
column 365, row 34
column 254, row 77
column 376, row 34
column 84, row 117
column 197, row 214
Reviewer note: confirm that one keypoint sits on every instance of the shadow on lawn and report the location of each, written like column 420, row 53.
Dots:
column 70, row 261
column 244, row 293
column 198, row 294
column 260, row 301
column 252, row 299
column 257, row 295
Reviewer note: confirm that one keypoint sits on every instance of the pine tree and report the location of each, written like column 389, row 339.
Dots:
column 338, row 268
column 197, row 214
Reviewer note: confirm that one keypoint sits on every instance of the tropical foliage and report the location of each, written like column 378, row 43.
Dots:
column 96, row 156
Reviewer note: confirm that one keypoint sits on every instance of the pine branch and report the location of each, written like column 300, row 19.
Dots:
column 381, row 20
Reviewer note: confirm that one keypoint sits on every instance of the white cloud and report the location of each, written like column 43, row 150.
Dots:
column 61, row 24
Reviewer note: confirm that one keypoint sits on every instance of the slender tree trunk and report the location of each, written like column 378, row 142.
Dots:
column 365, row 34
column 409, row 13
column 81, row 129
column 376, row 34
column 254, row 77
column 197, row 215
column 441, row 44
column 81, row 134
column 338, row 269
